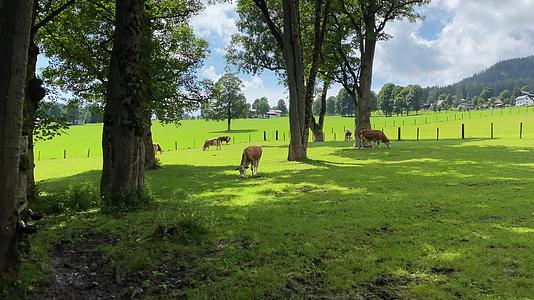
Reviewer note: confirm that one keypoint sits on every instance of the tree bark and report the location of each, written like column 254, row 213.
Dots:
column 293, row 58
column 362, row 104
column 122, row 138
column 317, row 128
column 150, row 155
column 15, row 23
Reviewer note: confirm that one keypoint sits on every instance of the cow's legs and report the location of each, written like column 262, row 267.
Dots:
column 256, row 164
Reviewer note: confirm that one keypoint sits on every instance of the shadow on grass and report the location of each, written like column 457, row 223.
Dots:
column 428, row 220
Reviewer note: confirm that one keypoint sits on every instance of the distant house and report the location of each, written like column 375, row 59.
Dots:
column 523, row 101
column 464, row 104
column 273, row 113
column 499, row 103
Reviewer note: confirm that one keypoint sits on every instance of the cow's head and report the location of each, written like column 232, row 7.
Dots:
column 388, row 144
column 242, row 171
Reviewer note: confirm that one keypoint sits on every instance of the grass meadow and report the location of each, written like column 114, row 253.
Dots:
column 427, row 219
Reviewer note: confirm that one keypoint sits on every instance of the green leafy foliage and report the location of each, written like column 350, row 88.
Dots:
column 228, row 101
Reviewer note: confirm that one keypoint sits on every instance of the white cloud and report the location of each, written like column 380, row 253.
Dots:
column 216, row 21
column 210, row 73
column 478, row 34
column 254, row 88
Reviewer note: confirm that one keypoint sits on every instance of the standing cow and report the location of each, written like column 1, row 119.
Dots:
column 251, row 156
column 375, row 136
column 211, row 142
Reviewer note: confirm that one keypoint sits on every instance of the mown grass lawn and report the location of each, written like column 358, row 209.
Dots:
column 429, row 219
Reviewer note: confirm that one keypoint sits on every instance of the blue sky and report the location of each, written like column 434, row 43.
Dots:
column 455, row 39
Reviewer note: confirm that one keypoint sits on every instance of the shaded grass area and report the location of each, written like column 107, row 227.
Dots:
column 447, row 219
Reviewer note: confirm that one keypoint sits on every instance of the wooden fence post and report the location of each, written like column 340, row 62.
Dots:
column 521, row 130
column 417, row 133
column 492, row 131
column 88, row 152
column 437, row 134
column 277, row 135
column 264, row 135
column 64, row 153
column 399, row 134
column 463, row 131
column 249, row 137
column 175, row 145
column 334, row 136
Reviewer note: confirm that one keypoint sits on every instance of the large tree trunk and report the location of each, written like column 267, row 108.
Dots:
column 317, row 128
column 15, row 23
column 293, row 58
column 150, row 155
column 122, row 139
column 34, row 94
column 362, row 104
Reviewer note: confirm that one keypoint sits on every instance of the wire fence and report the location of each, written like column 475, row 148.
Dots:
column 461, row 131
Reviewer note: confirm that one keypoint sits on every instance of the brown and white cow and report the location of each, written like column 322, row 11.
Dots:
column 157, row 148
column 375, row 136
column 251, row 156
column 225, row 138
column 211, row 142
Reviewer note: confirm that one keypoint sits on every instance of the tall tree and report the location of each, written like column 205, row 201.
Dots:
column 42, row 15
column 360, row 26
column 79, row 45
column 15, row 26
column 282, row 107
column 272, row 38
column 261, row 105
column 331, row 106
column 228, row 101
column 317, row 127
column 385, row 99
column 344, row 103
column 123, row 172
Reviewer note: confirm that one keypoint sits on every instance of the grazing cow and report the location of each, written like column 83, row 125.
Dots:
column 157, row 148
column 225, row 138
column 211, row 142
column 251, row 156
column 375, row 136
column 348, row 135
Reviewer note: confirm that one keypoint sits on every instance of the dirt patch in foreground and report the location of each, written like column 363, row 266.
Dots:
column 80, row 271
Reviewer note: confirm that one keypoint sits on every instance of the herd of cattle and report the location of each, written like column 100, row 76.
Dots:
column 252, row 154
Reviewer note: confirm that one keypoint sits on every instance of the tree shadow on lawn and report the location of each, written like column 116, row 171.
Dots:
column 406, row 222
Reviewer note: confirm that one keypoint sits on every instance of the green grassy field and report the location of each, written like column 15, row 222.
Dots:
column 426, row 219
column 191, row 134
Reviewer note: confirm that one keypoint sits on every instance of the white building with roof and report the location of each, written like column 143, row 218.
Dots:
column 524, row 101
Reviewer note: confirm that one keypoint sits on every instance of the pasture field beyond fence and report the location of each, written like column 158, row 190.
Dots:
column 85, row 140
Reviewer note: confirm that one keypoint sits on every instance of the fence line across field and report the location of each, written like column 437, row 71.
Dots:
column 280, row 135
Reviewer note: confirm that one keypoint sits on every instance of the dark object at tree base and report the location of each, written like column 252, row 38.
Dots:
column 27, row 229
column 35, row 216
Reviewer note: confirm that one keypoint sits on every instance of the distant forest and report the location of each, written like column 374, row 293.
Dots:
column 512, row 75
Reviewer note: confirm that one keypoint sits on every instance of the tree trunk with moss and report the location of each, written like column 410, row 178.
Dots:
column 122, row 138
column 15, row 22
